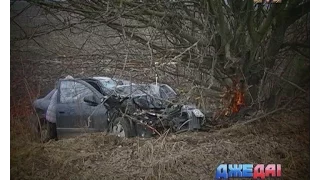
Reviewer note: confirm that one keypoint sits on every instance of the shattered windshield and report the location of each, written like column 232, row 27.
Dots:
column 133, row 90
column 166, row 92
column 148, row 95
column 108, row 83
column 159, row 91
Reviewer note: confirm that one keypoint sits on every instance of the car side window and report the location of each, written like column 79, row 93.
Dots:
column 71, row 91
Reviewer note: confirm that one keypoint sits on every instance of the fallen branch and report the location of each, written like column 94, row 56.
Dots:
column 263, row 116
column 259, row 117
column 137, row 121
column 293, row 84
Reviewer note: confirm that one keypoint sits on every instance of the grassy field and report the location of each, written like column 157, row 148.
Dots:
column 282, row 139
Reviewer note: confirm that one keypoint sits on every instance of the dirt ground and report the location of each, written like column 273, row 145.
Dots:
column 282, row 139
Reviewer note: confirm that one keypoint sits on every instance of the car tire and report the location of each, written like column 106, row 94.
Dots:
column 51, row 132
column 38, row 126
column 121, row 127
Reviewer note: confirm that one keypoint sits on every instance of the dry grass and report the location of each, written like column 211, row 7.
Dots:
column 280, row 139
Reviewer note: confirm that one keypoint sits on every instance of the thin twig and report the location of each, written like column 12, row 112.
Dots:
column 30, row 98
column 269, row 113
column 263, row 116
column 290, row 82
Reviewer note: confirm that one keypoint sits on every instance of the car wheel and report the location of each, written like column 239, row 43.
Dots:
column 121, row 128
column 44, row 132
column 50, row 132
column 38, row 127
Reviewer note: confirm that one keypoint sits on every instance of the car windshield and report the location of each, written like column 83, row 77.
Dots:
column 133, row 90
column 148, row 95
column 166, row 92
column 108, row 83
column 159, row 91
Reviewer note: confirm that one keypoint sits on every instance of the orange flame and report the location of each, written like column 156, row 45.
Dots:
column 238, row 98
column 234, row 98
column 238, row 101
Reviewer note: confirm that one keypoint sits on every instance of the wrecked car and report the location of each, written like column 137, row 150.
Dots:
column 146, row 109
column 127, row 110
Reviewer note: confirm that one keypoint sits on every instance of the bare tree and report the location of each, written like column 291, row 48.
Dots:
column 234, row 50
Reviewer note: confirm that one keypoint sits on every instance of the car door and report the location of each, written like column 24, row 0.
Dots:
column 72, row 111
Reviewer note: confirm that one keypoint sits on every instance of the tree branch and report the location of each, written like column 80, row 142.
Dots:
column 139, row 39
column 296, row 13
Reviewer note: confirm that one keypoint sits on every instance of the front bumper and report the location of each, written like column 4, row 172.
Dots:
column 195, row 117
column 177, row 118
